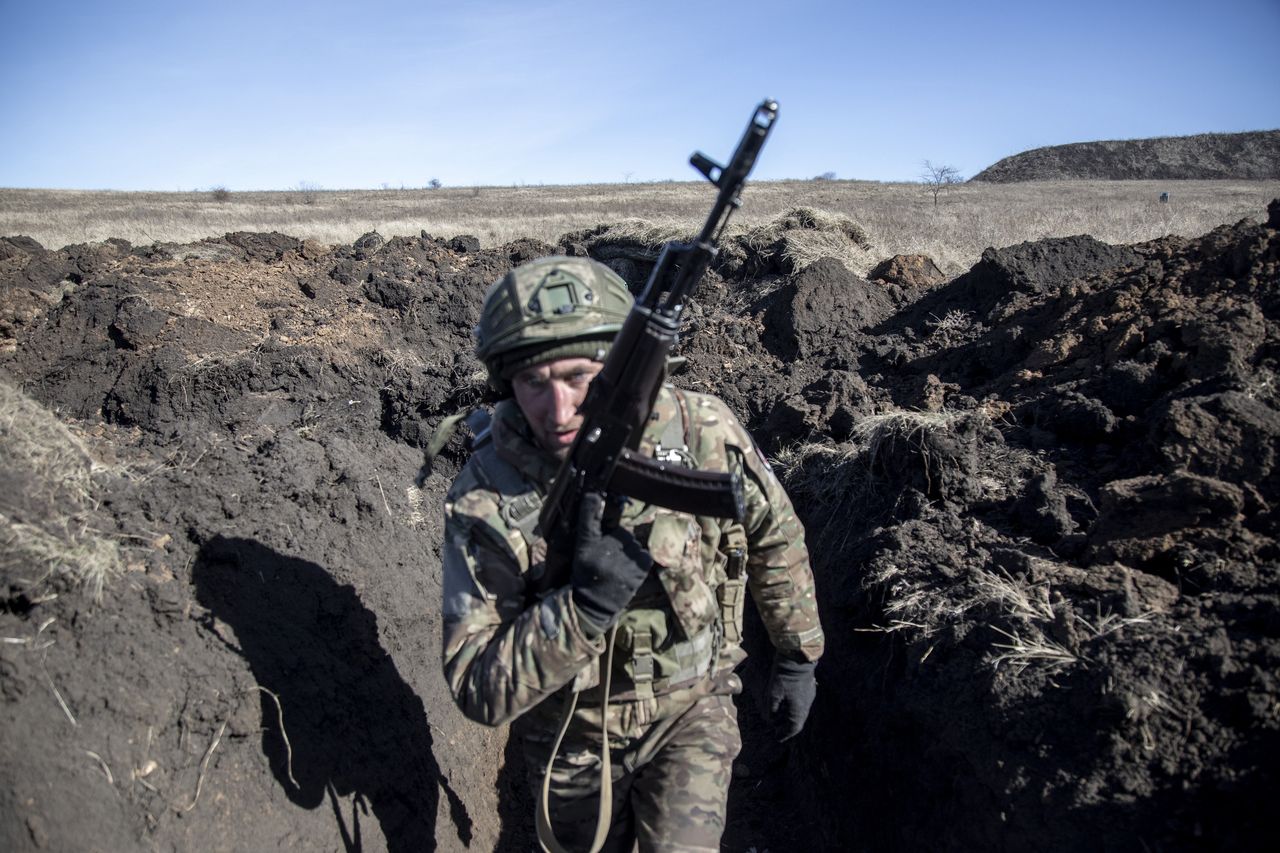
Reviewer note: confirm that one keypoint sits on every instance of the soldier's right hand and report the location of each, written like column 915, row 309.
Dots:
column 608, row 567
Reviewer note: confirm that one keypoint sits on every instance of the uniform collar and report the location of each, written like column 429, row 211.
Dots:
column 515, row 445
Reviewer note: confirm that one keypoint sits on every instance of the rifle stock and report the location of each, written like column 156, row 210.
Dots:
column 602, row 457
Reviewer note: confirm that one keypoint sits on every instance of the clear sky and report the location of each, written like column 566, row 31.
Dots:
column 269, row 95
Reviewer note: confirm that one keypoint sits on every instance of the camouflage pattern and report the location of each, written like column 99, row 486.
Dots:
column 670, row 777
column 777, row 560
column 512, row 637
column 556, row 305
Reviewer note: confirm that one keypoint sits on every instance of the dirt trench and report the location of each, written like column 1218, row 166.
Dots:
column 1040, row 497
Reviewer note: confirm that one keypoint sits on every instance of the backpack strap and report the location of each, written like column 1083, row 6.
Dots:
column 642, row 663
column 521, row 513
column 519, row 503
column 673, row 444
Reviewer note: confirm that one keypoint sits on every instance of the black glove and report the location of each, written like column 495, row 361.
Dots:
column 608, row 567
column 792, row 687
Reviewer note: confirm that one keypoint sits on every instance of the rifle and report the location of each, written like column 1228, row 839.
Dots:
column 603, row 456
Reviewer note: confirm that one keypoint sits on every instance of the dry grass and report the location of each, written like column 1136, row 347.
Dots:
column 1020, row 652
column 83, row 556
column 831, row 475
column 798, row 237
column 802, row 235
column 1025, row 602
column 809, row 219
column 1105, row 623
column 39, row 444
column 1029, row 605
column 828, row 476
column 890, row 427
column 837, row 482
column 417, row 516
column 896, row 218
column 644, row 232
column 44, row 529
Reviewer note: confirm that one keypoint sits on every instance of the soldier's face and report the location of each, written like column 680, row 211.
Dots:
column 549, row 396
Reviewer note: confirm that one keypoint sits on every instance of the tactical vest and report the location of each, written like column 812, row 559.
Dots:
column 686, row 618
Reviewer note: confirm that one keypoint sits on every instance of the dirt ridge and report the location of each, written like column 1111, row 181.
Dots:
column 1251, row 155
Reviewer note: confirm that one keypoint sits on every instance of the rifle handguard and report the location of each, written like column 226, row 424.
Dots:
column 676, row 487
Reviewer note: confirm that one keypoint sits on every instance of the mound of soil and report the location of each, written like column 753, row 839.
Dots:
column 1041, row 501
column 1207, row 156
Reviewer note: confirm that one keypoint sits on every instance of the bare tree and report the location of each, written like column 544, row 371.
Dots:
column 938, row 178
column 308, row 191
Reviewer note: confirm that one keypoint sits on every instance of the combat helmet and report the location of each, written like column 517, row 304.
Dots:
column 555, row 307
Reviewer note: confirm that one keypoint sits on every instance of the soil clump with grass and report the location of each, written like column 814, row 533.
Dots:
column 1041, row 499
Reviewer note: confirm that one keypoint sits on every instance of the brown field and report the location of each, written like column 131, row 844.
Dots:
column 898, row 218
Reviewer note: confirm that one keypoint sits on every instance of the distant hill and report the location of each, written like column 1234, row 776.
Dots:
column 1206, row 156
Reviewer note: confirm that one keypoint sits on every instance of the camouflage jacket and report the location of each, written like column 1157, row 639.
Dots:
column 512, row 636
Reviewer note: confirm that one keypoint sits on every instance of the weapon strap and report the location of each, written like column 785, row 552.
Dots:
column 604, row 817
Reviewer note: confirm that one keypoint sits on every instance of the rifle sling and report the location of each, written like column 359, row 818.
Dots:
column 604, row 816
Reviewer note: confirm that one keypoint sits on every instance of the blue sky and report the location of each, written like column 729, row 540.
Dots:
column 268, row 95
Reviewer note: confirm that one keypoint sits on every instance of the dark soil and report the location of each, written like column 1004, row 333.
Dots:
column 1041, row 500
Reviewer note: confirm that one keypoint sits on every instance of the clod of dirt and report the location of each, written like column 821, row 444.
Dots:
column 368, row 243
column 1142, row 519
column 1042, row 509
column 464, row 244
column 819, row 310
column 914, row 271
column 1038, row 268
column 263, row 247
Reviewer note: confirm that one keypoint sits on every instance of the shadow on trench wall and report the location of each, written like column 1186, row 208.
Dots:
column 354, row 726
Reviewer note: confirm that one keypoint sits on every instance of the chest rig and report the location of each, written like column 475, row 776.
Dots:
column 685, row 615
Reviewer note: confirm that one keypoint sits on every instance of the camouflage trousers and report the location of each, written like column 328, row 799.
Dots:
column 670, row 776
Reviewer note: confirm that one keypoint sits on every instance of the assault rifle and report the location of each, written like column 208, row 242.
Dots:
column 603, row 456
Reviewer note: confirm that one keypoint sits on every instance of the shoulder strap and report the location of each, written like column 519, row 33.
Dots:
column 682, row 407
column 675, row 435
column 518, row 502
column 673, row 444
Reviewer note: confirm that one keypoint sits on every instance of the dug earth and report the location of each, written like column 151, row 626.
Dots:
column 1041, row 500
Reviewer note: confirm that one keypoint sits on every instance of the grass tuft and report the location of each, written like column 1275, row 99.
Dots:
column 44, row 530
column 1021, row 652
column 803, row 235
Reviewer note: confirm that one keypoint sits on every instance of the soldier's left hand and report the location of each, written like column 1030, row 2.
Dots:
column 792, row 686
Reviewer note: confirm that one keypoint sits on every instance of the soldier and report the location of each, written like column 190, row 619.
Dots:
column 520, row 639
